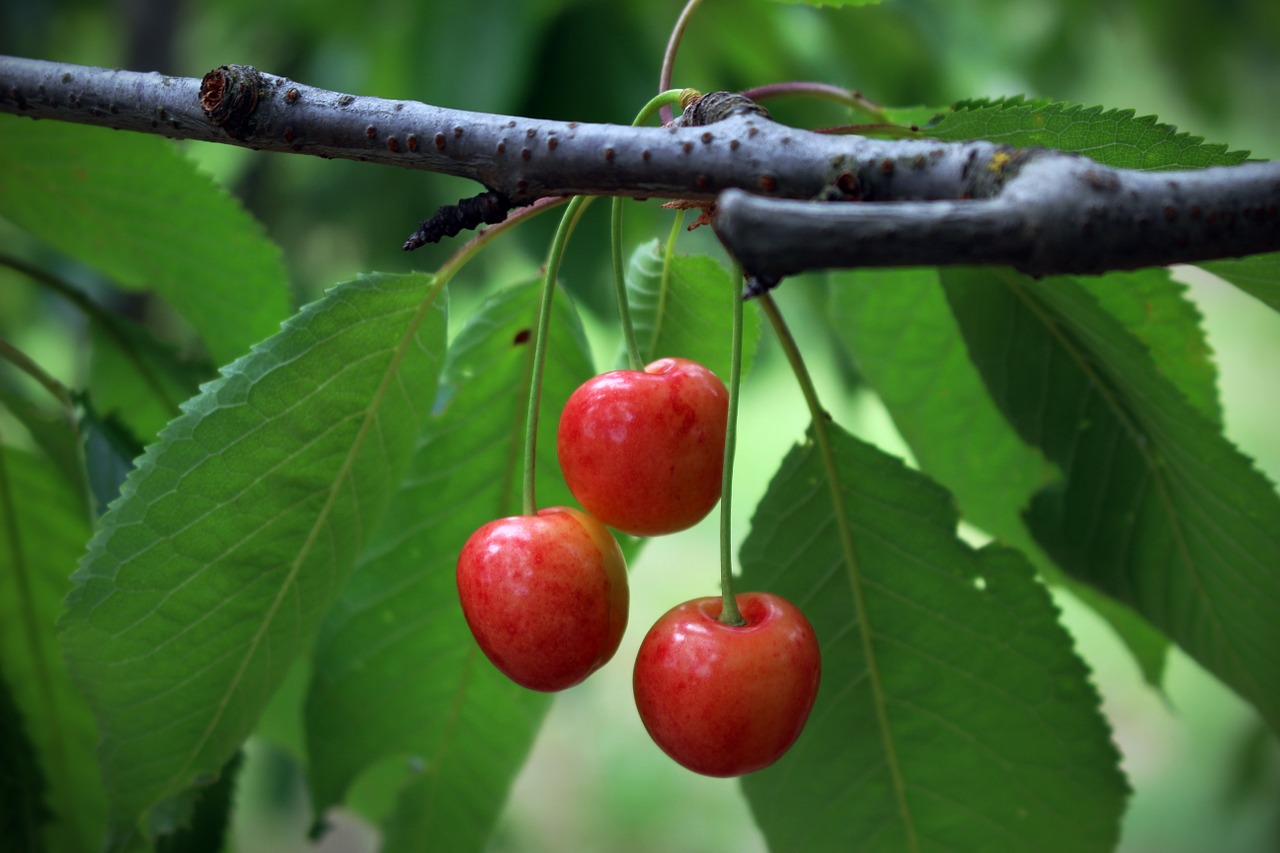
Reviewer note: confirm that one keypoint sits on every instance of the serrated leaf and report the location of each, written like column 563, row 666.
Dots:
column 233, row 535
column 133, row 207
column 1112, row 136
column 43, row 528
column 953, row 713
column 397, row 672
column 1155, row 507
column 909, row 348
column 1258, row 275
column 689, row 311
column 210, row 818
column 1155, row 309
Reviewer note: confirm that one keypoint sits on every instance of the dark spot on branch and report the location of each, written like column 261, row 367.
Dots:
column 229, row 96
column 288, row 134
column 439, row 141
column 371, row 131
column 291, row 96
column 488, row 208
column 768, row 183
column 525, row 153
column 393, row 144
column 412, row 142
column 346, row 100
column 706, row 138
column 608, row 155
column 552, row 143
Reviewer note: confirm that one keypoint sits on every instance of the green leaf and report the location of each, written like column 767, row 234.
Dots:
column 24, row 811
column 1258, row 275
column 397, row 672
column 1114, row 137
column 139, row 380
column 210, row 816
column 1155, row 309
column 690, row 312
column 236, row 531
column 134, row 208
column 909, row 349
column 953, row 713
column 1155, row 507
column 43, row 528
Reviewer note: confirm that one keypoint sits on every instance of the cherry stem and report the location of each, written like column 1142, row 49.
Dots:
column 634, row 358
column 567, row 222
column 848, row 97
column 673, row 46
column 729, row 613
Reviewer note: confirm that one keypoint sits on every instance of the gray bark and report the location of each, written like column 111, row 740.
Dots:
column 788, row 200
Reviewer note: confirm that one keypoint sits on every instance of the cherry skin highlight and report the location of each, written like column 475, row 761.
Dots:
column 643, row 450
column 545, row 596
column 725, row 700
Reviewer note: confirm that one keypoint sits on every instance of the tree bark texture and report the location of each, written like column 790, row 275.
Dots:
column 786, row 200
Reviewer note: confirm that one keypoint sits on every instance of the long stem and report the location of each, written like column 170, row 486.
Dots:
column 729, row 613
column 567, row 222
column 848, row 97
column 634, row 359
column 822, row 438
column 673, row 46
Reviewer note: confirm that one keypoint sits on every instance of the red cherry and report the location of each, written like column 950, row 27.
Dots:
column 724, row 700
column 545, row 596
column 643, row 451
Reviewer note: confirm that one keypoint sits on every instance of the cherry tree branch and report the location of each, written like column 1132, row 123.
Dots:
column 783, row 194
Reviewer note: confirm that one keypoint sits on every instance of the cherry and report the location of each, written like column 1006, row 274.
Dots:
column 724, row 700
column 545, row 596
column 643, row 450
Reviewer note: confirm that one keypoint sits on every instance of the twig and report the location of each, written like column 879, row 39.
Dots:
column 925, row 202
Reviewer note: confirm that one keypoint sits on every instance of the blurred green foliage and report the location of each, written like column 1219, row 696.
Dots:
column 1210, row 68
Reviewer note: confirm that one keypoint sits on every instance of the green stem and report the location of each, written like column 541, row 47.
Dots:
column 23, row 362
column 567, row 222
column 822, row 437
column 729, row 613
column 96, row 314
column 634, row 359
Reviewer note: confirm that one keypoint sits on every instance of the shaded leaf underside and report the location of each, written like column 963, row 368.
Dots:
column 1156, row 507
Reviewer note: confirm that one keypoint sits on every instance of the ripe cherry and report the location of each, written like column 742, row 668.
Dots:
column 545, row 596
column 643, row 450
column 724, row 700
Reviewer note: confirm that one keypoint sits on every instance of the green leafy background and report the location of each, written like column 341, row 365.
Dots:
column 137, row 314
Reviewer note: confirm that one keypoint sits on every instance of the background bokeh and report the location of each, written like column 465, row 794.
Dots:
column 1206, row 775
